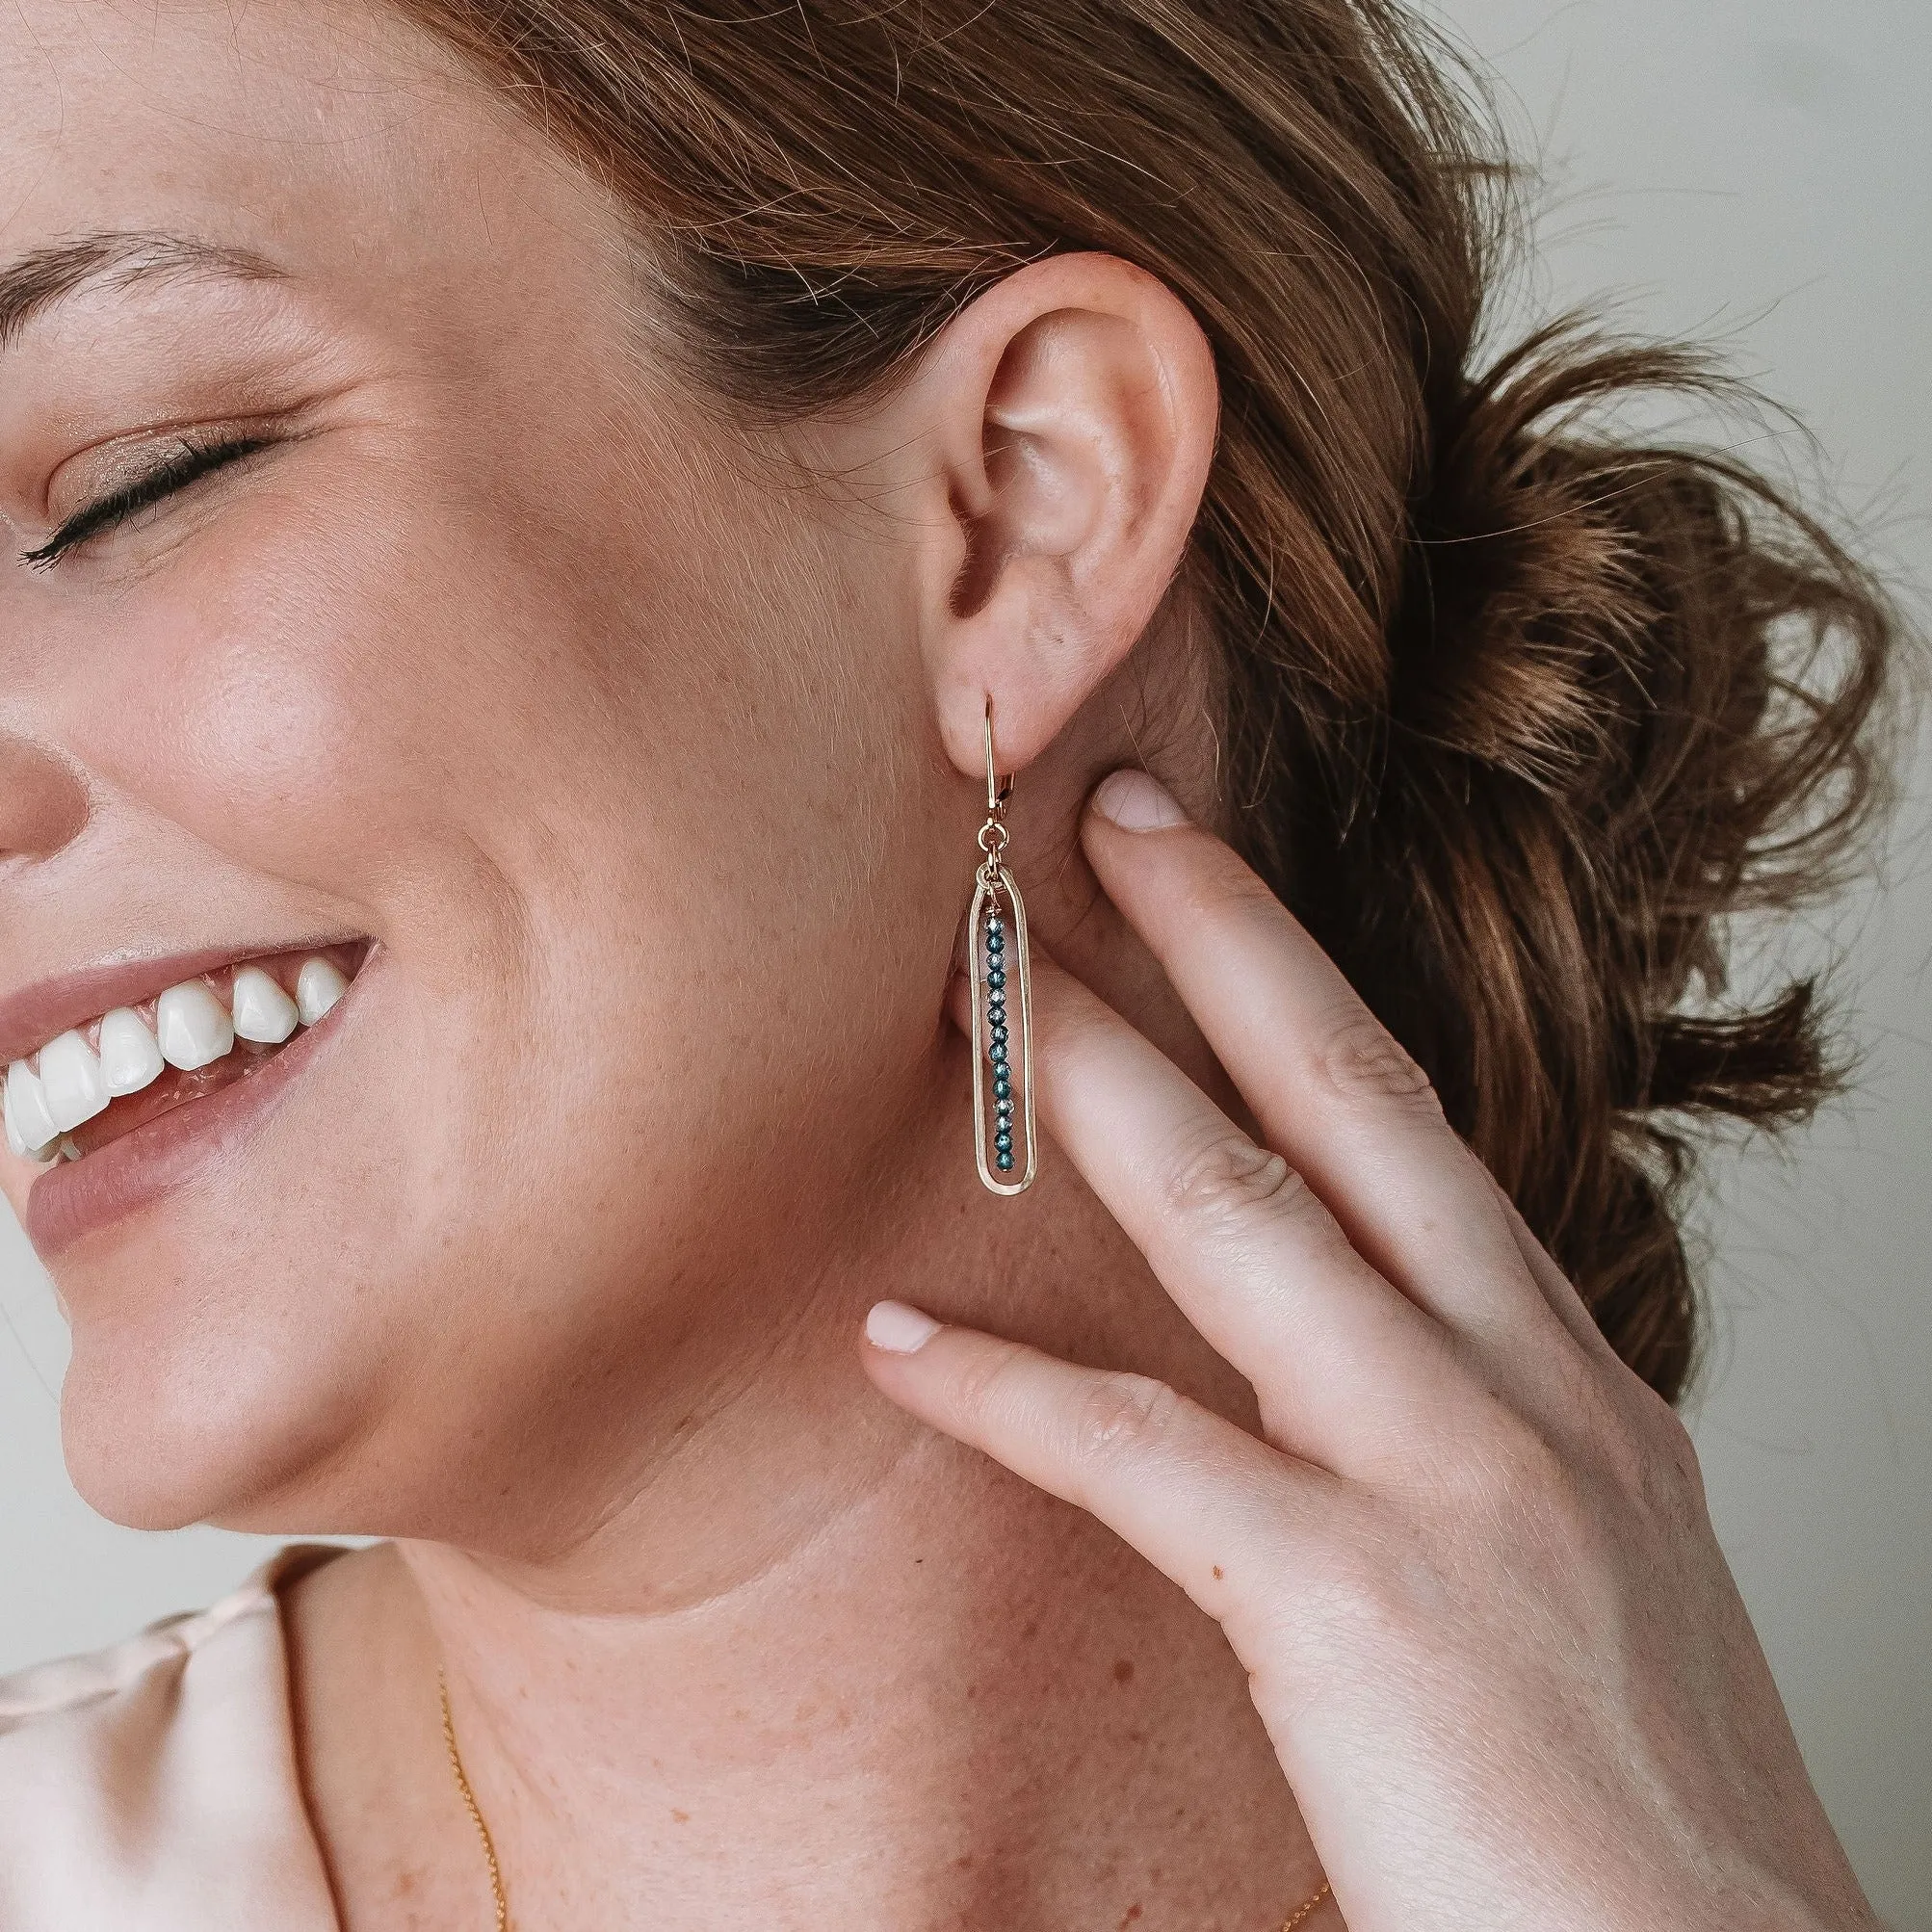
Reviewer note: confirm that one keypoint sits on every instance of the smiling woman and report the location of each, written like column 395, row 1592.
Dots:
column 527, row 528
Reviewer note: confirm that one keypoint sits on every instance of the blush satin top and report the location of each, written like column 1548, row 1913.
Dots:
column 152, row 1787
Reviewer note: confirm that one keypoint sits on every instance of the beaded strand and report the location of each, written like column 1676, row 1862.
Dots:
column 997, row 1036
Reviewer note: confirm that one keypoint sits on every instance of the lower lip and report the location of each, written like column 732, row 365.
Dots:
column 77, row 1198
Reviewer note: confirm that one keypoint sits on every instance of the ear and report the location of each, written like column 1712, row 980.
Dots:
column 1072, row 411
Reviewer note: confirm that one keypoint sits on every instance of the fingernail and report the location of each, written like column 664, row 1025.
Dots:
column 1135, row 803
column 899, row 1329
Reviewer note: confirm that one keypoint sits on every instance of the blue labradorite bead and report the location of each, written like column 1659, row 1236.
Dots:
column 996, row 941
column 999, row 1057
column 996, row 977
column 1004, row 1108
column 994, row 922
column 1004, row 1142
column 1002, row 1085
column 999, row 1034
column 1004, row 1162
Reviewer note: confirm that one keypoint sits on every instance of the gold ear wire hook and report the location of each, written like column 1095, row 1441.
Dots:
column 996, row 792
column 1006, row 1140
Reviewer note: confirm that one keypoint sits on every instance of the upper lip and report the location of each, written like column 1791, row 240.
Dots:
column 50, row 1007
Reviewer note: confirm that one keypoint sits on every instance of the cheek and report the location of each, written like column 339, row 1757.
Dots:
column 699, row 886
column 306, row 701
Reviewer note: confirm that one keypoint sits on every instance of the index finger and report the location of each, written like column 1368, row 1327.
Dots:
column 1332, row 1090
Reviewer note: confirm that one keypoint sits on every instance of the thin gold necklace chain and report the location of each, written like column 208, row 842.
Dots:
column 475, row 1810
column 1302, row 1910
column 501, row 1899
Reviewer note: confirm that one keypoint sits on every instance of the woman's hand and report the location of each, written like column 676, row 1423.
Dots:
column 1466, row 1564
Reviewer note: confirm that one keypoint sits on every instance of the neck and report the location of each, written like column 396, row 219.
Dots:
column 894, row 1728
column 918, row 1694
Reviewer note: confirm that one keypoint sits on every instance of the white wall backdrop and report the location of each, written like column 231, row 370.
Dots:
column 1756, row 171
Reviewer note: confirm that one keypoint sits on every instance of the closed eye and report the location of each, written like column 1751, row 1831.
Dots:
column 190, row 461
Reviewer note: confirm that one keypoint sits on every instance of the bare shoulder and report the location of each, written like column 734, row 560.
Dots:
column 358, row 1593
column 368, row 1729
column 361, row 1670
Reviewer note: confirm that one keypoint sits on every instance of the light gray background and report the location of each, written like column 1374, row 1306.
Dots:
column 1752, row 169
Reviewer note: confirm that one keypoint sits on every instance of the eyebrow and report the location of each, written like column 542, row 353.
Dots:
column 121, row 258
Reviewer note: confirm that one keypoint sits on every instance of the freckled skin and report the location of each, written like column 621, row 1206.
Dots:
column 619, row 741
column 435, row 672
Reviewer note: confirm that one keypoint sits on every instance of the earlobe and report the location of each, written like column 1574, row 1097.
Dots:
column 1075, row 407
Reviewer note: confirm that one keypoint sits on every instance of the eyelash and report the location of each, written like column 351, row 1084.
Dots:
column 193, row 462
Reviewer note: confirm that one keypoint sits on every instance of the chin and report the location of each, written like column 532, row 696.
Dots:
column 221, row 1371
column 161, row 1432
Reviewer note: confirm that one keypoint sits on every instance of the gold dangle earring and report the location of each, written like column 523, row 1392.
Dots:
column 996, row 950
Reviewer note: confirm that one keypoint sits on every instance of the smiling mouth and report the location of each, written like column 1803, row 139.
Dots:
column 95, row 1083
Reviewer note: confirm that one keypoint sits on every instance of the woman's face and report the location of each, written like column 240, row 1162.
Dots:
column 483, row 665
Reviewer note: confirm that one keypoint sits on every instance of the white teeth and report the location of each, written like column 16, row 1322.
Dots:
column 193, row 1026
column 318, row 987
column 191, row 1029
column 128, row 1056
column 263, row 1012
column 72, row 1081
column 30, row 1127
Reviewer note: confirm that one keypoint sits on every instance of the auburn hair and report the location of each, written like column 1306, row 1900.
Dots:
column 1518, row 711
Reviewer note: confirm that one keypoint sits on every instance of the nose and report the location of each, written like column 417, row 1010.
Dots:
column 43, row 804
